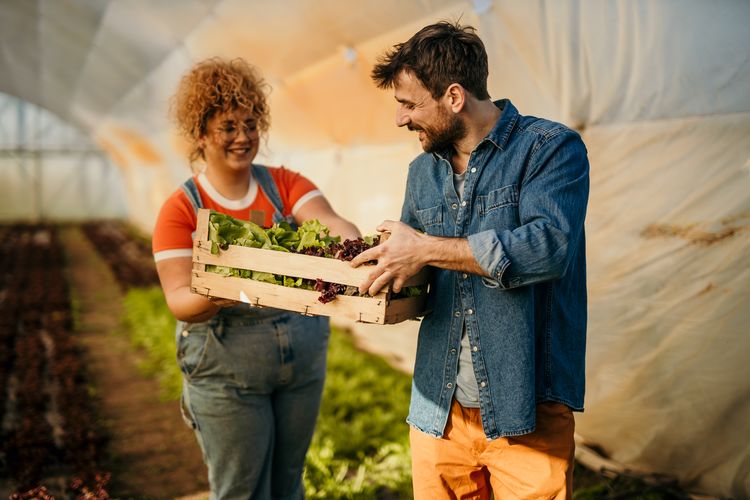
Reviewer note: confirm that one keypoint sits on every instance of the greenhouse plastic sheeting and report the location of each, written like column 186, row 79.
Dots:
column 660, row 92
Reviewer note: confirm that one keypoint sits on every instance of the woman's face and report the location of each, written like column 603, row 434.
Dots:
column 231, row 140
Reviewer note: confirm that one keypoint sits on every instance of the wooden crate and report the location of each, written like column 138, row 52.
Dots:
column 380, row 309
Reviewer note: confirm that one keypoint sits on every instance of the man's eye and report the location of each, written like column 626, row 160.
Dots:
column 251, row 126
column 228, row 129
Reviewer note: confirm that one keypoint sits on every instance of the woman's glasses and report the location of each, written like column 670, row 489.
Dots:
column 230, row 130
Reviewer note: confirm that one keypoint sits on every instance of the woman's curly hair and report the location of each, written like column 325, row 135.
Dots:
column 214, row 86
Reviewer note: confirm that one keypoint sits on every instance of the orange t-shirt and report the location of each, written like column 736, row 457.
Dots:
column 173, row 233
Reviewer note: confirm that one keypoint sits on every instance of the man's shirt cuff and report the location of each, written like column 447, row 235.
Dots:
column 488, row 252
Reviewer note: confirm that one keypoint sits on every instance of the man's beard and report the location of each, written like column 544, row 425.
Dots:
column 449, row 130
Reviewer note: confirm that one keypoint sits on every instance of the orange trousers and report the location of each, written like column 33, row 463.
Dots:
column 463, row 464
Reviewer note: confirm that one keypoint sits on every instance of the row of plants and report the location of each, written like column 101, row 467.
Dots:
column 49, row 430
column 128, row 257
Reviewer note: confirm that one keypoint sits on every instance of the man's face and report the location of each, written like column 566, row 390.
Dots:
column 439, row 128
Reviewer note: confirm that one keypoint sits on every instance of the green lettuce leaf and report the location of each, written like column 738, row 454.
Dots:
column 225, row 230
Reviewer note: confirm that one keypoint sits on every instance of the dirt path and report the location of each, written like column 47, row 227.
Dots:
column 153, row 453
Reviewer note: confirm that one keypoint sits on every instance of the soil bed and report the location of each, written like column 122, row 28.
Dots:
column 152, row 453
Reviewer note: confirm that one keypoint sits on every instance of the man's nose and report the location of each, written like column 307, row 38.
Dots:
column 402, row 118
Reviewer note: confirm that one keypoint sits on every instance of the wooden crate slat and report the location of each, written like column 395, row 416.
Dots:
column 258, row 293
column 201, row 228
column 402, row 309
column 201, row 234
column 282, row 263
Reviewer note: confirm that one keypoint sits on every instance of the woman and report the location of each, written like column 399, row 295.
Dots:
column 253, row 377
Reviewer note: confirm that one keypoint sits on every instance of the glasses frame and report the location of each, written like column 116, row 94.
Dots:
column 229, row 131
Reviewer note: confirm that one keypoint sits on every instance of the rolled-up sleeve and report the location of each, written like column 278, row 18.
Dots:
column 489, row 254
column 552, row 209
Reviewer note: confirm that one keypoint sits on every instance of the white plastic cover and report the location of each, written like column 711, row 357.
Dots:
column 660, row 91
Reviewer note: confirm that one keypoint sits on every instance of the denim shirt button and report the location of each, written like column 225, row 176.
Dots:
column 483, row 383
column 463, row 203
column 457, row 314
column 475, row 348
column 185, row 333
column 449, row 385
column 464, row 275
column 470, row 312
column 453, row 351
column 473, row 170
column 454, row 206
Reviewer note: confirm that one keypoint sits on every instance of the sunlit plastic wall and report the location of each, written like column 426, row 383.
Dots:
column 660, row 92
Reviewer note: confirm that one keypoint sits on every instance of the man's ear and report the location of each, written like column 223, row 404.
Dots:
column 455, row 96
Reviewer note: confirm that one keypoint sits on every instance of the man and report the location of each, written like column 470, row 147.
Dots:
column 496, row 204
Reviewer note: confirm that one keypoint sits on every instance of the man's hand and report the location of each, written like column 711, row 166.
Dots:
column 399, row 258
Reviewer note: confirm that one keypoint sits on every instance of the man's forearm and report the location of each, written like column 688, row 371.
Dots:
column 450, row 253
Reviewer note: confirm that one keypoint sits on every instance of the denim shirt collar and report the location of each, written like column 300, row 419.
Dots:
column 500, row 133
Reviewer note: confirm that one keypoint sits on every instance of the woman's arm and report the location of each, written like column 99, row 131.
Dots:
column 185, row 305
column 319, row 208
column 175, row 274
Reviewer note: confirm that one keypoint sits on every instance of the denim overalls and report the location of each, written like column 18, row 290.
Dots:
column 252, row 384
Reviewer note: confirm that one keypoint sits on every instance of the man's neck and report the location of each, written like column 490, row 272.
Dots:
column 480, row 120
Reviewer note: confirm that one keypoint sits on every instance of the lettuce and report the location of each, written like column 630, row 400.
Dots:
column 225, row 230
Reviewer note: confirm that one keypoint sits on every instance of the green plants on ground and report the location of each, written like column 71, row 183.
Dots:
column 151, row 328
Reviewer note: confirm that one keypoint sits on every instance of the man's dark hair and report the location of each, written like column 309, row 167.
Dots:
column 438, row 55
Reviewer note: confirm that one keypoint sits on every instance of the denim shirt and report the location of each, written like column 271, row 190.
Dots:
column 523, row 213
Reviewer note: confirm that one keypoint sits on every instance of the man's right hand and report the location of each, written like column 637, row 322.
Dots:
column 398, row 258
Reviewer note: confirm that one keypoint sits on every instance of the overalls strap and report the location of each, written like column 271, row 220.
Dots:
column 191, row 190
column 268, row 185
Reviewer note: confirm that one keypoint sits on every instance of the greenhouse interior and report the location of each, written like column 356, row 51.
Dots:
column 659, row 91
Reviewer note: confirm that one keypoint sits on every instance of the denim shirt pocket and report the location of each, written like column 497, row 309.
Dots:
column 498, row 209
column 431, row 220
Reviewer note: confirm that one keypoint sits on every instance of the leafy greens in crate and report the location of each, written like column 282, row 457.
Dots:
column 310, row 238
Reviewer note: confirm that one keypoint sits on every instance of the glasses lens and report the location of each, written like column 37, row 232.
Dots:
column 229, row 133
